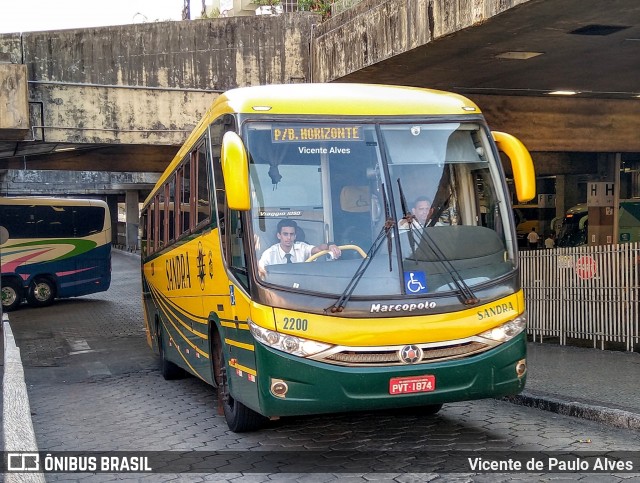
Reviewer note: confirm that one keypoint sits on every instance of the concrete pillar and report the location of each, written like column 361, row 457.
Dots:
column 132, row 218
column 561, row 197
column 112, row 202
column 601, row 196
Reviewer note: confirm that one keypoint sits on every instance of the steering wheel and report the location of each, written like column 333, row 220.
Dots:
column 341, row 247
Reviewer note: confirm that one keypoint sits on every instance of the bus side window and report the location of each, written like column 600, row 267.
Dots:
column 162, row 240
column 156, row 225
column 144, row 239
column 185, row 203
column 202, row 188
column 171, row 211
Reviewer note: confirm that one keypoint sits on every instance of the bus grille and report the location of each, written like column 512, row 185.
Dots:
column 389, row 356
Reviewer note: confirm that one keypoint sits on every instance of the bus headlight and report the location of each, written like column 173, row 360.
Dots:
column 507, row 331
column 290, row 344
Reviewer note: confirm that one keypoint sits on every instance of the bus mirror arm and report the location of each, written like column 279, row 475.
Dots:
column 524, row 177
column 235, row 170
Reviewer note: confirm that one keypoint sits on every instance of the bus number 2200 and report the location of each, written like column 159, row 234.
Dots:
column 295, row 324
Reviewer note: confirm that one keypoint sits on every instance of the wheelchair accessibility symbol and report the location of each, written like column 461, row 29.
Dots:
column 415, row 282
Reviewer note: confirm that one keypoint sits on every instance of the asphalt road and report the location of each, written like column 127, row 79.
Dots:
column 94, row 386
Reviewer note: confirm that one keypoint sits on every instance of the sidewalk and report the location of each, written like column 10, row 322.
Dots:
column 591, row 384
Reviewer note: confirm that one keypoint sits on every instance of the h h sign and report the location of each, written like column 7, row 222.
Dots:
column 600, row 194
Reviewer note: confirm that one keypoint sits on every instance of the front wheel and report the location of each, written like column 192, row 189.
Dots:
column 11, row 294
column 239, row 417
column 41, row 292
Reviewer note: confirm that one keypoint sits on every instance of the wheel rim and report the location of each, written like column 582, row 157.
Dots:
column 42, row 292
column 8, row 296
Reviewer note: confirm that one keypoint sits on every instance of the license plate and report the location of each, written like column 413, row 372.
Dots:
column 408, row 385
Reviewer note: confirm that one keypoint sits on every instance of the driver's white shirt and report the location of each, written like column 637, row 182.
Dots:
column 273, row 255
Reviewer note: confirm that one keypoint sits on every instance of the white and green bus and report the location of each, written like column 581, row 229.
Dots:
column 57, row 248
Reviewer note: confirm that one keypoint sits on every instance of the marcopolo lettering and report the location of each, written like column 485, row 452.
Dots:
column 495, row 310
column 406, row 307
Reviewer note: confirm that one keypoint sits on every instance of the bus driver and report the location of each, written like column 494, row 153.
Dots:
column 421, row 212
column 288, row 250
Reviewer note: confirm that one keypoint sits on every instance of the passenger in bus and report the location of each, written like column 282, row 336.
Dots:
column 288, row 250
column 421, row 211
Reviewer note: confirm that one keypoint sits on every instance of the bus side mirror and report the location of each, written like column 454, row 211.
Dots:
column 524, row 177
column 583, row 221
column 235, row 169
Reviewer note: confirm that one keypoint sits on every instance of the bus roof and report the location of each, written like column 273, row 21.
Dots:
column 342, row 99
column 333, row 99
column 48, row 201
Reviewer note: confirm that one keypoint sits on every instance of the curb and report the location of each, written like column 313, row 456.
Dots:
column 18, row 434
column 613, row 417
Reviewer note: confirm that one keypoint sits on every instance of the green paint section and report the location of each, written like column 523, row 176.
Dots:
column 316, row 388
column 79, row 246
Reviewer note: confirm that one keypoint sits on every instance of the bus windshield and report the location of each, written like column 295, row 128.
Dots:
column 416, row 208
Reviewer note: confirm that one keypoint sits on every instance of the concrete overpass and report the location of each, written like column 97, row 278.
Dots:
column 123, row 98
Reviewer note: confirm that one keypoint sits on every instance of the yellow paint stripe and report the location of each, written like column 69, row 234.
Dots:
column 196, row 318
column 191, row 344
column 229, row 325
column 193, row 369
column 193, row 317
column 243, row 326
column 241, row 345
column 166, row 309
column 246, row 369
column 168, row 312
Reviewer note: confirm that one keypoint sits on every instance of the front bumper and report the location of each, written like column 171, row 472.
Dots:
column 316, row 387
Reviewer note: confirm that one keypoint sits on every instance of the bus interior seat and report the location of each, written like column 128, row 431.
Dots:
column 354, row 218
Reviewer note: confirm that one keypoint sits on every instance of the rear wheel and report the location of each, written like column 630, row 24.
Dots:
column 42, row 291
column 168, row 369
column 11, row 294
column 239, row 417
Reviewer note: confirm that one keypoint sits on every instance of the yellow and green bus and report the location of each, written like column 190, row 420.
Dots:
column 404, row 315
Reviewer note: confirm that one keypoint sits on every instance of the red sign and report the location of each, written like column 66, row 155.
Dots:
column 407, row 385
column 586, row 267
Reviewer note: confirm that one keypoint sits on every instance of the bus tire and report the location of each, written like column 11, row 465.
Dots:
column 11, row 294
column 168, row 369
column 239, row 417
column 42, row 292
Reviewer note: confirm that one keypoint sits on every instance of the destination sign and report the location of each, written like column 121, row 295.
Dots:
column 316, row 133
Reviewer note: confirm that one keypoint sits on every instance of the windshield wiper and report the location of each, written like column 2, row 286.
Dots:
column 385, row 232
column 408, row 217
column 465, row 293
